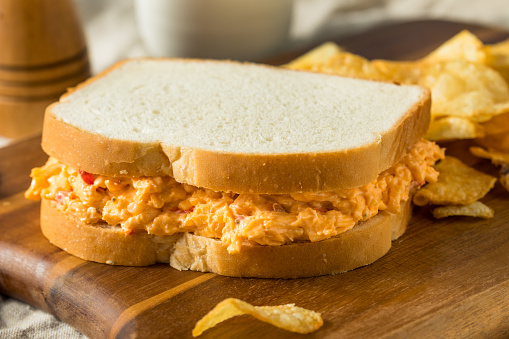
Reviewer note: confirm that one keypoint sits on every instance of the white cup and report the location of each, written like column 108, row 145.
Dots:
column 218, row 29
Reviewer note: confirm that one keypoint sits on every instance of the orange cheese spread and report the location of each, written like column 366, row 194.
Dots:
column 159, row 205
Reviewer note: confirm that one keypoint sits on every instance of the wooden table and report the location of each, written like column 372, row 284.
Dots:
column 443, row 278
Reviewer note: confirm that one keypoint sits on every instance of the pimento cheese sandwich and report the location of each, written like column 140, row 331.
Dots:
column 233, row 168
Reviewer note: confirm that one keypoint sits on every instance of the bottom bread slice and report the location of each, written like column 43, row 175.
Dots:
column 365, row 243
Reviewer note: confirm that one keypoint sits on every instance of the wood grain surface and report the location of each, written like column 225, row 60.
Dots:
column 444, row 278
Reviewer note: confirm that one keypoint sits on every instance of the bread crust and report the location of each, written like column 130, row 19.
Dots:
column 235, row 172
column 103, row 243
column 362, row 245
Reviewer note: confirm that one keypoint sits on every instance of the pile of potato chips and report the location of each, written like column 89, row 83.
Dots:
column 469, row 84
column 459, row 188
column 288, row 317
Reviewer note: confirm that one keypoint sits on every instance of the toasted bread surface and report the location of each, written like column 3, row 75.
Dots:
column 309, row 132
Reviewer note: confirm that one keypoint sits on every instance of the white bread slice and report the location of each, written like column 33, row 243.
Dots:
column 362, row 245
column 235, row 127
column 101, row 242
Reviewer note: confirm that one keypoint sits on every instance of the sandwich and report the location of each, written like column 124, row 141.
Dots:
column 240, row 169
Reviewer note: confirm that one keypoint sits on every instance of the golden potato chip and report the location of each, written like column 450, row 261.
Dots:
column 497, row 124
column 497, row 133
column 453, row 128
column 316, row 56
column 330, row 58
column 288, row 317
column 462, row 46
column 465, row 89
column 475, row 209
column 403, row 72
column 498, row 141
column 458, row 184
column 497, row 57
column 351, row 65
column 496, row 157
column 460, row 82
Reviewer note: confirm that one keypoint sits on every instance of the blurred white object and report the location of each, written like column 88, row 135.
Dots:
column 236, row 29
column 4, row 141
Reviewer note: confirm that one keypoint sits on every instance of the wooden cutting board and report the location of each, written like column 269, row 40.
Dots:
column 443, row 278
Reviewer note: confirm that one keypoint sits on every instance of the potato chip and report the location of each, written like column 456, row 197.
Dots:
column 465, row 89
column 475, row 209
column 351, row 65
column 498, row 141
column 498, row 158
column 462, row 80
column 497, row 57
column 288, row 317
column 316, row 56
column 330, row 58
column 497, row 133
column 498, row 124
column 462, row 46
column 403, row 72
column 453, row 128
column 458, row 184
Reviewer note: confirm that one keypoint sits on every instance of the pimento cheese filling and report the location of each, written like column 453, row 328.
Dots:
column 159, row 205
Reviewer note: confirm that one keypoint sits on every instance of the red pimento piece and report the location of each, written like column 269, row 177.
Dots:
column 87, row 177
column 61, row 195
column 128, row 232
column 185, row 211
column 180, row 211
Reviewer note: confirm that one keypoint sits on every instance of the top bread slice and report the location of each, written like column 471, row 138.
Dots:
column 238, row 127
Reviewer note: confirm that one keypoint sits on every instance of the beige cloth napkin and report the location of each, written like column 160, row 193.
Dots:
column 19, row 320
column 112, row 35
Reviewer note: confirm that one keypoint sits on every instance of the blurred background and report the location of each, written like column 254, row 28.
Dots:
column 118, row 29
column 112, row 30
